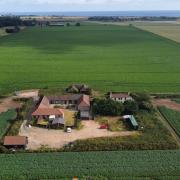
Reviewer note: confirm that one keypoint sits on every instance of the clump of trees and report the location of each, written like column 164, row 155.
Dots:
column 107, row 107
column 143, row 101
column 130, row 107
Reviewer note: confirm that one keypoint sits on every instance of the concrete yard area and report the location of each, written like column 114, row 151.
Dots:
column 58, row 138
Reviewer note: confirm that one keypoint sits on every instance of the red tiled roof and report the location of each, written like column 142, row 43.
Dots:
column 15, row 140
column 44, row 103
column 47, row 112
column 84, row 101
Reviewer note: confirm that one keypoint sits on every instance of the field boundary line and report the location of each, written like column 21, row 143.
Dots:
column 169, row 127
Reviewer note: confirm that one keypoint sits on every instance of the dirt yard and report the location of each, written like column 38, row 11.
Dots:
column 58, row 138
column 8, row 103
column 27, row 93
column 167, row 103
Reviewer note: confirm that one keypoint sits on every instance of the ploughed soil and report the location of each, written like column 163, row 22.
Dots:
column 167, row 103
column 59, row 138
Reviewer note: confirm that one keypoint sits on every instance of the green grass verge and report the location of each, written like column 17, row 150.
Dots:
column 5, row 120
column 108, row 58
column 100, row 165
column 173, row 117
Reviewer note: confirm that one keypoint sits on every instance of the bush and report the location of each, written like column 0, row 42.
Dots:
column 146, row 106
column 139, row 97
column 3, row 149
column 68, row 24
column 13, row 30
column 78, row 24
column 130, row 107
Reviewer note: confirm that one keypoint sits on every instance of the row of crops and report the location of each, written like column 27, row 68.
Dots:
column 102, row 165
column 5, row 120
column 173, row 117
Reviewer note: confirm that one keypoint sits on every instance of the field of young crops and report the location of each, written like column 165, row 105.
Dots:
column 102, row 165
column 107, row 57
column 173, row 118
column 5, row 119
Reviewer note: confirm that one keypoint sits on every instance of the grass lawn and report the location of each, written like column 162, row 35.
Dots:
column 5, row 119
column 114, row 123
column 173, row 117
column 69, row 117
column 107, row 57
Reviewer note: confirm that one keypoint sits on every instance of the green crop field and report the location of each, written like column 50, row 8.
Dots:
column 173, row 118
column 107, row 57
column 102, row 165
column 5, row 119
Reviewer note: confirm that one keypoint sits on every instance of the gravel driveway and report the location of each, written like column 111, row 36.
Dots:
column 58, row 138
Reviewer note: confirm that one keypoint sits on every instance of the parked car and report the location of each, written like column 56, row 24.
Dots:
column 104, row 126
column 68, row 130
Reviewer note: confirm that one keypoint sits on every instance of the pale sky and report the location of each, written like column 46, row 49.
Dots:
column 86, row 5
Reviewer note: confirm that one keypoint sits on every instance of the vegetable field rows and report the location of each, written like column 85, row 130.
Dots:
column 5, row 119
column 91, row 164
column 173, row 117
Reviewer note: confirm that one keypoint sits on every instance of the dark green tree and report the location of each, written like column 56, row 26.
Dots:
column 130, row 107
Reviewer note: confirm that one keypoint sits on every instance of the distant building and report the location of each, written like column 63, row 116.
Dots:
column 79, row 88
column 56, row 24
column 120, row 97
column 17, row 142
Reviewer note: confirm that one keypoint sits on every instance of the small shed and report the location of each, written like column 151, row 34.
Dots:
column 17, row 142
column 130, row 119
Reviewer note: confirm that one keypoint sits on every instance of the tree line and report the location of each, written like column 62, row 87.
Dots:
column 124, row 19
column 15, row 21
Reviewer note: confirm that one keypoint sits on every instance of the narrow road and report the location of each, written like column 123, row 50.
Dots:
column 168, row 126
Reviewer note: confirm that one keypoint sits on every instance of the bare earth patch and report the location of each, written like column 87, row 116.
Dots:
column 8, row 103
column 58, row 138
column 167, row 103
column 27, row 93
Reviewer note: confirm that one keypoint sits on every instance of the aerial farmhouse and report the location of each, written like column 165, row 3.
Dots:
column 51, row 108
